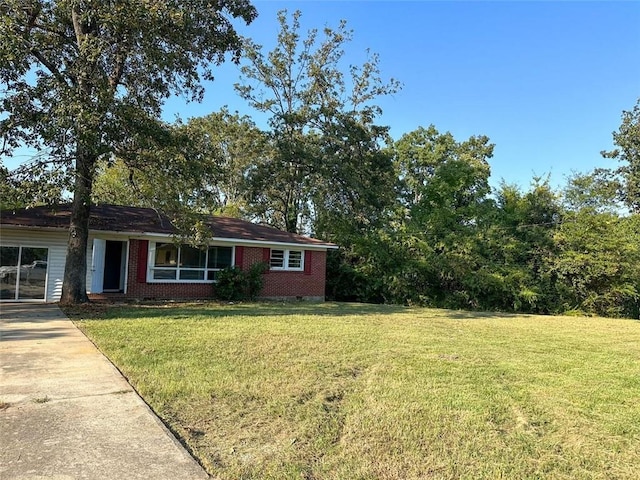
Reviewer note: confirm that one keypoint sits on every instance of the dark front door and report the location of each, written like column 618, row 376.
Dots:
column 113, row 256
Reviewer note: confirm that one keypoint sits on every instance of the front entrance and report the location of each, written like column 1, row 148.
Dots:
column 23, row 273
column 108, row 266
column 113, row 266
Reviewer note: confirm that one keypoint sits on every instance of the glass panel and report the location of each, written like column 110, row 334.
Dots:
column 191, row 274
column 220, row 257
column 166, row 255
column 277, row 259
column 159, row 274
column 8, row 272
column 212, row 274
column 191, row 257
column 295, row 259
column 33, row 273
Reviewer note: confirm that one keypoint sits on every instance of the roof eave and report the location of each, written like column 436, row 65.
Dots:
column 142, row 235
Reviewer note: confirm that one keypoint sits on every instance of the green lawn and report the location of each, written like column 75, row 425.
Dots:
column 346, row 391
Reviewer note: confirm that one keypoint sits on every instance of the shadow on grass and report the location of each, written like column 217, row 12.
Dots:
column 185, row 310
column 471, row 315
column 215, row 309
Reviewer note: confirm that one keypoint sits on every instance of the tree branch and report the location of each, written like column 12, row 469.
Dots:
column 49, row 66
column 118, row 70
column 78, row 28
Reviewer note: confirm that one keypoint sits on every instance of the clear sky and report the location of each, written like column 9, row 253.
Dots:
column 545, row 81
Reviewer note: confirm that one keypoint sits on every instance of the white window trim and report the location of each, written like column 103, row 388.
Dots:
column 285, row 267
column 151, row 255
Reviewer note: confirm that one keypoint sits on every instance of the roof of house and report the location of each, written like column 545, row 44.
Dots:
column 117, row 218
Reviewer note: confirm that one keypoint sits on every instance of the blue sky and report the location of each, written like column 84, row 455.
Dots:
column 545, row 81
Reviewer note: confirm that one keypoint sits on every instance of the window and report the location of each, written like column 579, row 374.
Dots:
column 183, row 263
column 166, row 255
column 277, row 259
column 286, row 260
column 218, row 258
column 23, row 273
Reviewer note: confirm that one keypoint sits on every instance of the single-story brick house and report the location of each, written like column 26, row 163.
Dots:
column 132, row 254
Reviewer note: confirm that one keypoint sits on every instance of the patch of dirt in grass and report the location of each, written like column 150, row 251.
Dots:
column 85, row 311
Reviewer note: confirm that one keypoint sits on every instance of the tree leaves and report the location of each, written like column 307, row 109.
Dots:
column 319, row 133
column 86, row 81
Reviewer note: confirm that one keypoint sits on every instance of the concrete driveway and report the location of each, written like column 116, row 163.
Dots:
column 67, row 413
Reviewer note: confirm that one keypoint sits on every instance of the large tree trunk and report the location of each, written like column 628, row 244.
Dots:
column 74, row 285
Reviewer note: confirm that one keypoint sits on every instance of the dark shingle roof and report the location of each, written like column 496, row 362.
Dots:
column 116, row 218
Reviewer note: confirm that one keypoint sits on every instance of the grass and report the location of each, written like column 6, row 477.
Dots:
column 342, row 391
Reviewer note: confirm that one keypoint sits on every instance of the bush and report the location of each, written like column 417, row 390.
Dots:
column 234, row 284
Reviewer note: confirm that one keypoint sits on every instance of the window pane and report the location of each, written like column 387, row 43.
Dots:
column 164, row 274
column 295, row 259
column 9, row 256
column 166, row 255
column 191, row 274
column 277, row 259
column 33, row 273
column 191, row 257
column 219, row 257
column 224, row 257
column 8, row 272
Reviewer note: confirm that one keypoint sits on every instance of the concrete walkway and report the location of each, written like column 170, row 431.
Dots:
column 67, row 413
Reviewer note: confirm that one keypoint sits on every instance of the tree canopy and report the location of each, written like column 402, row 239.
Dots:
column 416, row 218
column 321, row 125
column 627, row 139
column 86, row 80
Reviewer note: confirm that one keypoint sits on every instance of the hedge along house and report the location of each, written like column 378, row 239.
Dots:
column 133, row 254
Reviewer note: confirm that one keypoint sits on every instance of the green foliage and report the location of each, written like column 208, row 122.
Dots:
column 325, row 163
column 255, row 279
column 598, row 263
column 416, row 219
column 597, row 191
column 451, row 245
column 234, row 284
column 231, row 284
column 627, row 138
column 85, row 81
column 36, row 183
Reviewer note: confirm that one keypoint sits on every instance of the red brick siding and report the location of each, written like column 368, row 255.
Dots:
column 296, row 284
column 138, row 289
column 252, row 255
column 277, row 283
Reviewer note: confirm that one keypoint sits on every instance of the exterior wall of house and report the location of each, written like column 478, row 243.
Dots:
column 55, row 241
column 308, row 284
column 137, row 286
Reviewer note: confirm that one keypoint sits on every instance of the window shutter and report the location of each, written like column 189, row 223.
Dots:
column 307, row 262
column 143, row 252
column 266, row 257
column 239, row 257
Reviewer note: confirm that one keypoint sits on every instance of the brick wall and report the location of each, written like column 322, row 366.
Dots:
column 278, row 284
column 140, row 289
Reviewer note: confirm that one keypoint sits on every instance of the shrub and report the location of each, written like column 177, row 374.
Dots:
column 255, row 279
column 234, row 284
